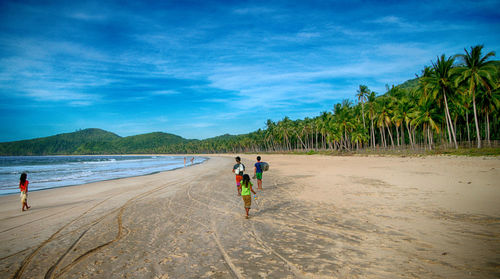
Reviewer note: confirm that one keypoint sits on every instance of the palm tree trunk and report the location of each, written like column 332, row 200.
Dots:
column 425, row 136
column 345, row 134
column 373, row 134
column 382, row 136
column 317, row 140
column 409, row 135
column 432, row 137
column 363, row 112
column 429, row 137
column 403, row 141
column 288, row 145
column 448, row 126
column 301, row 142
column 455, row 127
column 488, row 129
column 475, row 116
column 397, row 135
column 390, row 136
column 467, row 122
column 413, row 130
column 450, row 122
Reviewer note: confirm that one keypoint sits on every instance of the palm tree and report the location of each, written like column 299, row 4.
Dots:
column 362, row 95
column 424, row 86
column 371, row 111
column 334, row 132
column 384, row 119
column 488, row 104
column 427, row 116
column 283, row 134
column 442, row 80
column 270, row 135
column 323, row 123
column 476, row 71
column 346, row 121
column 401, row 114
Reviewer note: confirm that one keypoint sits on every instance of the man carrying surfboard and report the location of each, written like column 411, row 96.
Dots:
column 238, row 170
column 257, row 173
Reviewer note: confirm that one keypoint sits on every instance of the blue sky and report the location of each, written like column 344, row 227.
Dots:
column 200, row 69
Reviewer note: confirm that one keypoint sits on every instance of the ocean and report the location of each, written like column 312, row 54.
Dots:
column 45, row 172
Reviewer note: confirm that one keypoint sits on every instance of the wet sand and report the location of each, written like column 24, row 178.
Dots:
column 318, row 217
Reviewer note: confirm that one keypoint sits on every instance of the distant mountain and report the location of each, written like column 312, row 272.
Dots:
column 93, row 141
column 66, row 143
column 157, row 142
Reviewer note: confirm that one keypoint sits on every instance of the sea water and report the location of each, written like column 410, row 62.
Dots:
column 46, row 172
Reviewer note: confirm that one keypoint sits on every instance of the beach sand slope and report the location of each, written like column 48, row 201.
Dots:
column 318, row 217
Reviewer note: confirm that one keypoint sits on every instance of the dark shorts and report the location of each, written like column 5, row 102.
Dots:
column 258, row 175
column 247, row 200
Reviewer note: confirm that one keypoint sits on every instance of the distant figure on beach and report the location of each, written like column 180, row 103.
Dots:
column 184, row 161
column 23, row 186
column 238, row 170
column 192, row 159
column 257, row 173
column 246, row 189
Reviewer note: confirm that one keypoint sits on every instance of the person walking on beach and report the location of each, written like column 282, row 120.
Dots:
column 23, row 186
column 246, row 192
column 257, row 173
column 192, row 159
column 238, row 170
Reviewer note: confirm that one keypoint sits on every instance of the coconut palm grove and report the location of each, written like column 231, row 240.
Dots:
column 453, row 103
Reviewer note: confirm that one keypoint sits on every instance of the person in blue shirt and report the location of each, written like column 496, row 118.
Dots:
column 257, row 173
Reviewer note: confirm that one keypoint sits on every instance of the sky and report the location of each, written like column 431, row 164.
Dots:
column 200, row 69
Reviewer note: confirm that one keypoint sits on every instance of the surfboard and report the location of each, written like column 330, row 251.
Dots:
column 264, row 166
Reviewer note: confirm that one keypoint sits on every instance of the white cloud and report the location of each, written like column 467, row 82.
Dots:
column 388, row 20
column 74, row 98
column 253, row 10
column 165, row 92
column 406, row 26
column 88, row 16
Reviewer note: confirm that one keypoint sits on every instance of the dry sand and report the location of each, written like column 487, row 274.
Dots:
column 318, row 217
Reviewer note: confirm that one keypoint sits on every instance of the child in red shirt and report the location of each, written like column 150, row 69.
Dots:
column 23, row 185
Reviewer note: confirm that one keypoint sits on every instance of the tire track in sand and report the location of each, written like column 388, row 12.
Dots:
column 50, row 273
column 290, row 266
column 29, row 258
column 215, row 235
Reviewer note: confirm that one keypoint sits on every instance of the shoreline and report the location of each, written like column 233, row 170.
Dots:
column 205, row 158
column 318, row 216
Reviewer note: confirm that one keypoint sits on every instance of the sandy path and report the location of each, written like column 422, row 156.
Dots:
column 345, row 217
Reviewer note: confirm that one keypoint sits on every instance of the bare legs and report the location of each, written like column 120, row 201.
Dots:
column 25, row 205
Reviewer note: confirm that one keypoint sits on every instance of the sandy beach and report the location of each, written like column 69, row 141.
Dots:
column 317, row 217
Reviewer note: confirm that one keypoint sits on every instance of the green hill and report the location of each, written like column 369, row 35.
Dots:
column 93, row 141
column 409, row 84
column 67, row 143
column 147, row 143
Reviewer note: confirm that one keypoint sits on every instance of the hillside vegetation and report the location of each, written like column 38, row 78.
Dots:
column 92, row 141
